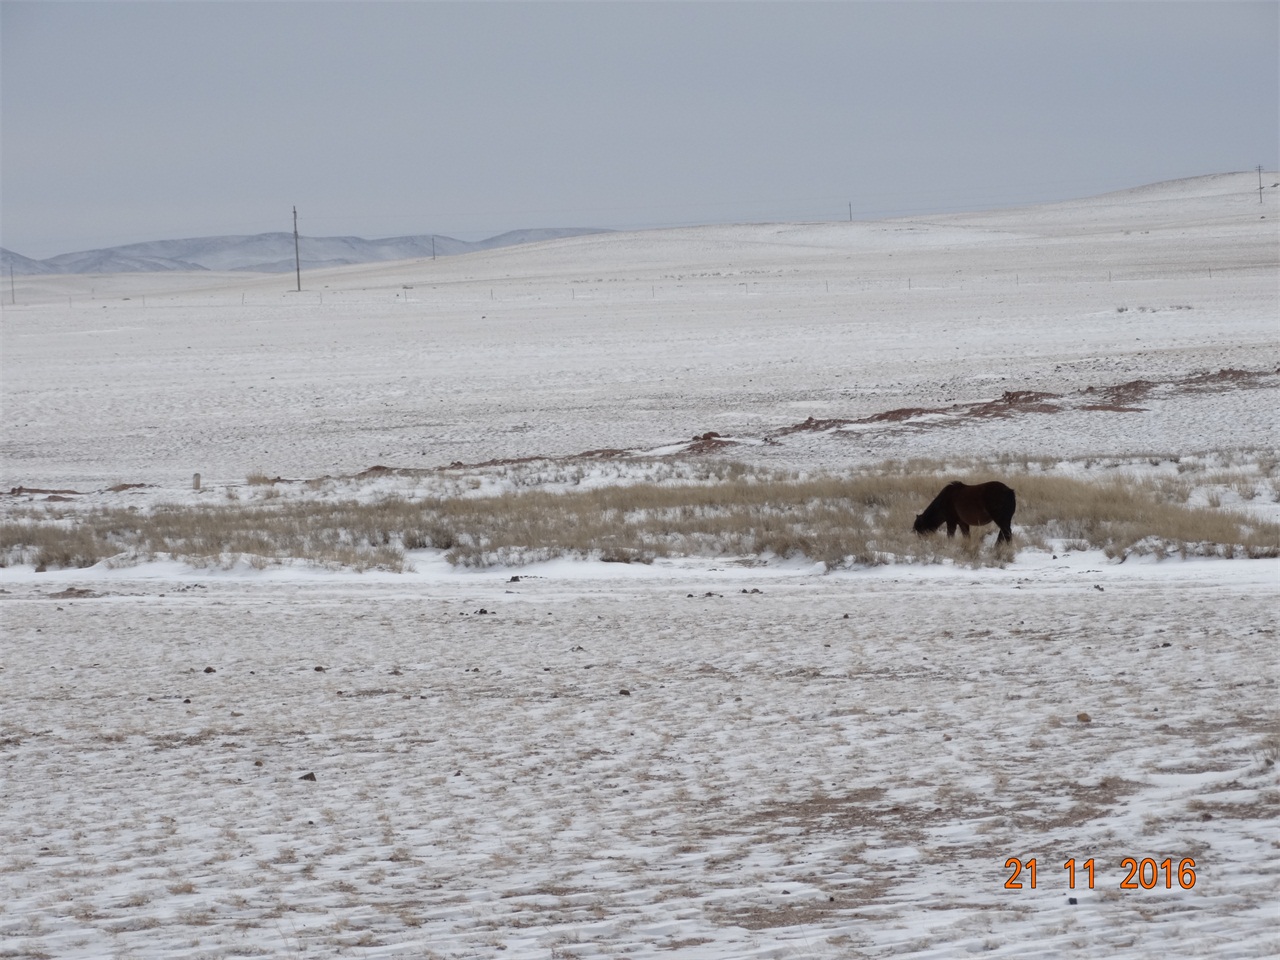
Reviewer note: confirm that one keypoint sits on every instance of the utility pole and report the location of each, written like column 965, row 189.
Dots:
column 851, row 211
column 433, row 246
column 297, row 261
column 1259, row 183
column 13, row 296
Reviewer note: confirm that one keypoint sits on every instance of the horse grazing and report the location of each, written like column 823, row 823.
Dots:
column 964, row 506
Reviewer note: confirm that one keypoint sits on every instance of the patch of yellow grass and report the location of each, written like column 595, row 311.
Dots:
column 840, row 520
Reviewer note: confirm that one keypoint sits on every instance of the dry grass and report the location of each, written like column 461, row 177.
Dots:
column 839, row 520
column 1125, row 517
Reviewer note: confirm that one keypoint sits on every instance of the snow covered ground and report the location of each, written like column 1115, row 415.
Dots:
column 642, row 340
column 706, row 758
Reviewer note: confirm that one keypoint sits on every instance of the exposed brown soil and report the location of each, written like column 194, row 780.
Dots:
column 605, row 453
column 496, row 462
column 1124, row 394
column 29, row 491
column 1266, row 807
column 1013, row 402
column 67, row 496
column 815, row 425
column 1116, row 398
column 900, row 414
column 809, row 913
column 1226, row 379
column 708, row 442
column 74, row 593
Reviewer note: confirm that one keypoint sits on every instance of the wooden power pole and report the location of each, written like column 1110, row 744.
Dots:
column 297, row 261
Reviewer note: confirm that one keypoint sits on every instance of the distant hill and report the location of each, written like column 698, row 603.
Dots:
column 267, row 252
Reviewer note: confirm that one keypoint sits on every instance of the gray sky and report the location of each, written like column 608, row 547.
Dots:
column 124, row 122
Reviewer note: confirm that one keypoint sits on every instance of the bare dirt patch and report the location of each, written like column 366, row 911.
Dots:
column 1116, row 398
column 1124, row 394
column 1265, row 808
column 709, row 442
column 1228, row 379
column 815, row 425
column 74, row 593
column 1013, row 402
column 33, row 491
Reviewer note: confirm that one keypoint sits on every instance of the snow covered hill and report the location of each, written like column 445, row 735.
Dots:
column 266, row 252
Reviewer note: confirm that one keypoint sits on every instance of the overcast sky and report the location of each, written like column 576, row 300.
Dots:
column 124, row 122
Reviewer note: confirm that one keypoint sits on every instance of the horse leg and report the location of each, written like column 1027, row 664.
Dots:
column 964, row 530
column 1006, row 534
column 951, row 529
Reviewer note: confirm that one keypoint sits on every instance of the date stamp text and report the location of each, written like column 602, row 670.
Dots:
column 1146, row 873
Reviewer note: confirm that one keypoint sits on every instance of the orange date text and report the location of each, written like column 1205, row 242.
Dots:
column 1144, row 873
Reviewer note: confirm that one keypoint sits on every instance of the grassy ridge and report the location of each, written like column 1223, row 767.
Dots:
column 838, row 520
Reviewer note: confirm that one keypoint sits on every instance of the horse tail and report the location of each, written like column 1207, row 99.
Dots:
column 1010, row 500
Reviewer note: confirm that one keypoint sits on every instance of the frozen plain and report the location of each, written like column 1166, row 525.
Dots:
column 838, row 765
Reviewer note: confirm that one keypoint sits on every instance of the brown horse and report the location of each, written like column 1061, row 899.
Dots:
column 964, row 506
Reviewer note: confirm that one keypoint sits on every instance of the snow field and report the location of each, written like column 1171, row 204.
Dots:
column 741, row 330
column 778, row 780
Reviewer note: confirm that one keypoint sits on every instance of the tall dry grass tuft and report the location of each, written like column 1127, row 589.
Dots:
column 1122, row 516
column 839, row 520
column 54, row 543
